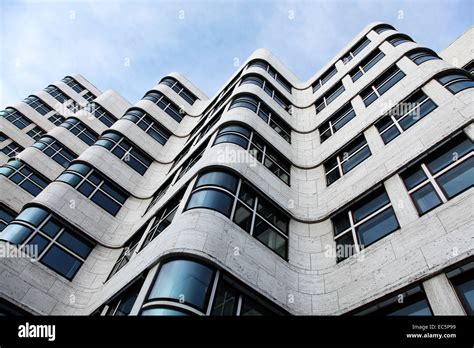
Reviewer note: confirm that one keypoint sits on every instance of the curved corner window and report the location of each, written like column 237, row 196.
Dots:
column 186, row 287
column 257, row 147
column 148, row 124
column 456, row 82
column 24, row 176
column 77, row 128
column 46, row 237
column 15, row 117
column 237, row 200
column 268, row 88
column 55, row 150
column 165, row 104
column 129, row 153
column 421, row 56
column 265, row 113
column 94, row 186
column 182, row 91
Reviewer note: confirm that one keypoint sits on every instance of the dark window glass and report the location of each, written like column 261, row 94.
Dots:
column 183, row 280
column 15, row 117
column 462, row 280
column 456, row 82
column 25, row 177
column 149, row 125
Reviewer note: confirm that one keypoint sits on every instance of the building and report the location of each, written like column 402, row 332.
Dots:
column 350, row 193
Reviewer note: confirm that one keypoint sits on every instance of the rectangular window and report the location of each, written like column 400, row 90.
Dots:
column 381, row 84
column 101, row 114
column 404, row 115
column 182, row 91
column 159, row 193
column 15, row 117
column 356, row 49
column 77, row 128
column 56, row 119
column 462, row 280
column 148, row 124
column 35, row 133
column 122, row 304
column 59, row 247
column 57, row 94
column 268, row 88
column 94, row 186
column 442, row 175
column 129, row 153
column 346, row 159
column 88, row 96
column 414, row 304
column 127, row 253
column 6, row 215
column 329, row 97
column 12, row 149
column 55, row 150
column 191, row 160
column 163, row 218
column 336, row 121
column 166, row 105
column 25, row 177
column 363, row 223
column 324, row 78
column 37, row 104
column 366, row 64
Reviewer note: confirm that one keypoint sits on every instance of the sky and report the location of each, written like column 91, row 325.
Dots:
column 128, row 46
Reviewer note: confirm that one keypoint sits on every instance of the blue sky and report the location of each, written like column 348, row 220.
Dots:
column 128, row 46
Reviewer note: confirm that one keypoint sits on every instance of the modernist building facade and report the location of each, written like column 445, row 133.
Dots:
column 350, row 193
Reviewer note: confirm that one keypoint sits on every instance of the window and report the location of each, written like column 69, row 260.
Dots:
column 346, row 159
column 235, row 198
column 442, row 175
column 182, row 91
column 54, row 149
column 6, row 215
column 152, row 127
column 159, row 193
column 166, row 105
column 3, row 137
column 122, row 304
column 203, row 128
column 379, row 29
column 413, row 303
column 265, row 113
column 94, row 186
column 56, row 119
column 163, row 218
column 35, row 132
column 57, row 94
column 25, row 177
column 404, row 115
column 58, row 246
column 381, row 85
column 462, row 280
column 366, row 64
column 101, row 114
column 88, row 96
column 470, row 67
column 421, row 56
column 37, row 104
column 324, row 78
column 268, row 88
column 356, row 50
column 127, row 253
column 398, row 39
column 363, row 223
column 12, row 149
column 336, row 121
column 272, row 72
column 187, row 287
column 73, row 84
column 129, row 153
column 258, row 147
column 456, row 81
column 15, row 117
column 77, row 128
column 190, row 161
column 329, row 97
